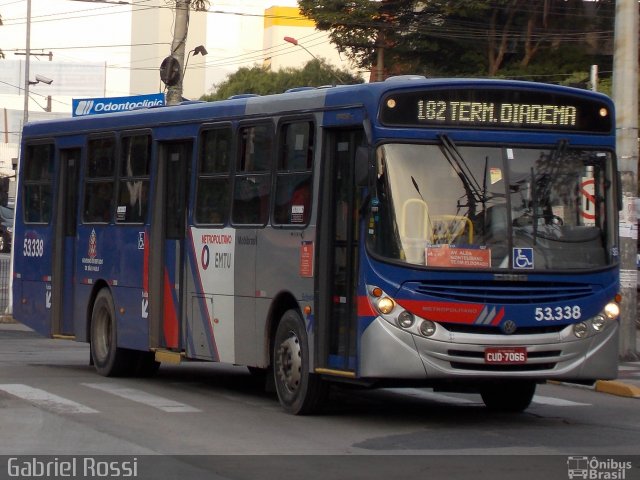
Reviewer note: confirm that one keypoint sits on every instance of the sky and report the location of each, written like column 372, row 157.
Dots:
column 73, row 31
column 81, row 32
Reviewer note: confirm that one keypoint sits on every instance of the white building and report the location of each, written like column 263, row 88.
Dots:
column 115, row 49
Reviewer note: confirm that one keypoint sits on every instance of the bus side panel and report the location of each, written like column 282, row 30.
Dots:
column 35, row 311
column 246, row 294
column 284, row 266
column 210, row 326
column 113, row 255
column 32, row 269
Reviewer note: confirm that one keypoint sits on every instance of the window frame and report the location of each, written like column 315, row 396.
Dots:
column 39, row 182
column 120, row 177
column 241, row 173
column 89, row 180
column 202, row 177
column 281, row 172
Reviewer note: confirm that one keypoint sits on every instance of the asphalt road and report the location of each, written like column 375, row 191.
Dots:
column 201, row 420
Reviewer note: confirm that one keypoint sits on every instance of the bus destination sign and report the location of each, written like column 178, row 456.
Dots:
column 492, row 108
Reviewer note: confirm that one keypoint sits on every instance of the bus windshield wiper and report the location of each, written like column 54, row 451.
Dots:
column 475, row 193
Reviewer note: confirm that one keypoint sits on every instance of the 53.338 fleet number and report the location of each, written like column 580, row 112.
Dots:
column 550, row 314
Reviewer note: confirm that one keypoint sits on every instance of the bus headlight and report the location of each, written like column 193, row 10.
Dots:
column 406, row 319
column 580, row 330
column 385, row 305
column 612, row 310
column 598, row 322
column 427, row 328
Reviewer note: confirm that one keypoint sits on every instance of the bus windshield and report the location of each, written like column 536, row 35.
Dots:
column 490, row 207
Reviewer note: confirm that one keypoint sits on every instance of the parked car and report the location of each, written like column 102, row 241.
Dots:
column 6, row 229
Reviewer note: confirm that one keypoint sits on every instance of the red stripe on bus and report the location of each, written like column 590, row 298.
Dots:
column 364, row 308
column 450, row 312
column 496, row 321
column 170, row 324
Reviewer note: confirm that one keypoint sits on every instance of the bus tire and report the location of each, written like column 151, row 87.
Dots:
column 299, row 391
column 108, row 359
column 509, row 396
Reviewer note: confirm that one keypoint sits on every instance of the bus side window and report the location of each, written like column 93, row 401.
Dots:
column 294, row 174
column 252, row 186
column 37, row 183
column 99, row 186
column 133, row 188
column 213, row 190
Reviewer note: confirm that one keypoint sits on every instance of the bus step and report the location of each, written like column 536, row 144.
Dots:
column 167, row 356
column 59, row 336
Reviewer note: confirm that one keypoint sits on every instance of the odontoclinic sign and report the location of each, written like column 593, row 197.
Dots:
column 95, row 106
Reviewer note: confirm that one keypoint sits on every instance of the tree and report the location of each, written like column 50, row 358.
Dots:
column 259, row 81
column 483, row 37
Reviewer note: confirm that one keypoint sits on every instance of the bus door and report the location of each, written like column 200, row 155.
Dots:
column 167, row 249
column 338, row 264
column 63, row 277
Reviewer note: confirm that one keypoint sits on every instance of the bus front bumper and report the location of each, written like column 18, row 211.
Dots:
column 388, row 352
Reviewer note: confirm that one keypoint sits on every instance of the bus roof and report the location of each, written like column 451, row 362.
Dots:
column 303, row 99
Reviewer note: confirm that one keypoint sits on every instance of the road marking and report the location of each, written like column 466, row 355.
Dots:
column 437, row 397
column 145, row 398
column 627, row 368
column 557, row 402
column 44, row 399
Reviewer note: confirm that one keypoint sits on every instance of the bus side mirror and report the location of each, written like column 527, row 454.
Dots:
column 362, row 166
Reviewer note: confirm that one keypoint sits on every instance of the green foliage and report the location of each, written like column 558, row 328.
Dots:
column 259, row 81
column 469, row 38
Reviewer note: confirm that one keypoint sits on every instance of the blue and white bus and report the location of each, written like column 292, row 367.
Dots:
column 454, row 234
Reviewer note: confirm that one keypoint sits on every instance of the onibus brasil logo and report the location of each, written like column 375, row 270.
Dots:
column 593, row 468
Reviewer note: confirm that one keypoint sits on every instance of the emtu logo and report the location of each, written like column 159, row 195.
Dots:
column 84, row 107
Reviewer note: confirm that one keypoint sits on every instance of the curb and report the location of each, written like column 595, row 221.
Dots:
column 615, row 387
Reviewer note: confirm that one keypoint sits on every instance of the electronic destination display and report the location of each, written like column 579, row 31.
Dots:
column 494, row 108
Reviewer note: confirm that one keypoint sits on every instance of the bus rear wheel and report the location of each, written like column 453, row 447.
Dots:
column 299, row 391
column 509, row 396
column 108, row 359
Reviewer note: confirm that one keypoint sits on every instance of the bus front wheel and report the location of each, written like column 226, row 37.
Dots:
column 108, row 359
column 508, row 396
column 299, row 391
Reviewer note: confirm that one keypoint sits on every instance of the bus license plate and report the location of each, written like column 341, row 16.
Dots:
column 505, row 355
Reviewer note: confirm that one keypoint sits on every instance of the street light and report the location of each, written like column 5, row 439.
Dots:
column 198, row 50
column 41, row 79
column 294, row 41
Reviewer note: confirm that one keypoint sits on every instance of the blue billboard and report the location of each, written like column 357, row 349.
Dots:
column 95, row 106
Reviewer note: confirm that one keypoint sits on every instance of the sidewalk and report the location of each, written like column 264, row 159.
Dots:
column 626, row 385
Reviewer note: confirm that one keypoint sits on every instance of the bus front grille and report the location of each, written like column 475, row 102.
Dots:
column 494, row 330
column 478, row 291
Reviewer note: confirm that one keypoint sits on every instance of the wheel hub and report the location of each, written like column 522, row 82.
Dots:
column 290, row 363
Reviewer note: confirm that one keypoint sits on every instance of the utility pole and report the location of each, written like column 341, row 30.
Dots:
column 26, row 65
column 180, row 30
column 625, row 95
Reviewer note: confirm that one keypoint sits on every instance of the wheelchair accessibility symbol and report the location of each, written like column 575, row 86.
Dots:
column 523, row 258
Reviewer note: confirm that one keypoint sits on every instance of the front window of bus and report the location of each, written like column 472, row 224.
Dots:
column 474, row 207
